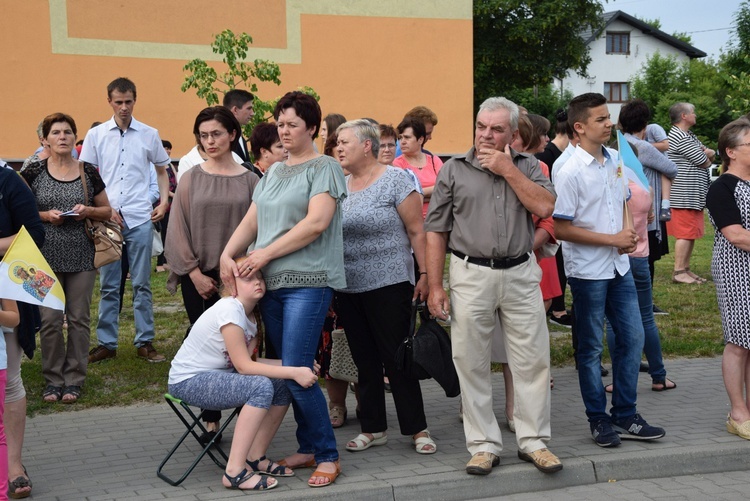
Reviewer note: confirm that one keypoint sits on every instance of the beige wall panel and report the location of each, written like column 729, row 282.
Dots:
column 360, row 64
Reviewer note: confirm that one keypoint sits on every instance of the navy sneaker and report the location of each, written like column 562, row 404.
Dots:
column 636, row 428
column 604, row 435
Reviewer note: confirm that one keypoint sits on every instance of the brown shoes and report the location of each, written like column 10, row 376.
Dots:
column 543, row 459
column 481, row 463
column 147, row 351
column 101, row 353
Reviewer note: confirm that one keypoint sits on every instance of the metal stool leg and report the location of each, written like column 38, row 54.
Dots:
column 210, row 448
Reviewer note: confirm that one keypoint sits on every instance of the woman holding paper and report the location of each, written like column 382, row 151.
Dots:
column 57, row 184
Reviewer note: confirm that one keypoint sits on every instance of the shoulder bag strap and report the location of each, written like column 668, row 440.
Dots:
column 86, row 221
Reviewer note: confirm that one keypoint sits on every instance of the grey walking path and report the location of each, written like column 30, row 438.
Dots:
column 113, row 453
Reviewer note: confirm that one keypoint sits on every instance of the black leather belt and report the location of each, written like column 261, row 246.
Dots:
column 498, row 263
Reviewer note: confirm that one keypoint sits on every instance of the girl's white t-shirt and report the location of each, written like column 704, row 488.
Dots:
column 204, row 349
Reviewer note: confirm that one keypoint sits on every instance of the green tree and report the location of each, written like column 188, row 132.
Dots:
column 735, row 63
column 520, row 44
column 679, row 35
column 209, row 84
column 659, row 75
column 664, row 81
column 544, row 100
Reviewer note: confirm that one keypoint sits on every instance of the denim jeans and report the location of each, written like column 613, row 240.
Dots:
column 617, row 299
column 652, row 343
column 138, row 241
column 294, row 321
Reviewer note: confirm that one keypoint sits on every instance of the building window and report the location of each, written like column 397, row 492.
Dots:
column 618, row 43
column 617, row 92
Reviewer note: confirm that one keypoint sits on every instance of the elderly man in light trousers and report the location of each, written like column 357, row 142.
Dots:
column 481, row 209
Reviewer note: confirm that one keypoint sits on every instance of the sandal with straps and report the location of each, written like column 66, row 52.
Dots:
column 52, row 394
column 244, row 476
column 363, row 442
column 663, row 384
column 20, row 483
column 337, row 414
column 695, row 277
column 330, row 476
column 424, row 445
column 279, row 471
column 74, row 392
column 690, row 279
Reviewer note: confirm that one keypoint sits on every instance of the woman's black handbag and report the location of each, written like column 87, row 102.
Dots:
column 426, row 353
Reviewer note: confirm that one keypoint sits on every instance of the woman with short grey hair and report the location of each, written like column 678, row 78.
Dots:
column 382, row 222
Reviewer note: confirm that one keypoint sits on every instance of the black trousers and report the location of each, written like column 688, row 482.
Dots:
column 558, row 303
column 195, row 305
column 376, row 322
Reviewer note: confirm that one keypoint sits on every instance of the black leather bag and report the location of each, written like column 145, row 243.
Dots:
column 426, row 353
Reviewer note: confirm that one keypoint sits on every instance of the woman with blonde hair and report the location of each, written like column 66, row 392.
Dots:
column 728, row 204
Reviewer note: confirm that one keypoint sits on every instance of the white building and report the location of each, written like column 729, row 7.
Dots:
column 618, row 52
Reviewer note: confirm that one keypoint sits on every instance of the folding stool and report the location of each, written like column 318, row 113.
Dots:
column 191, row 421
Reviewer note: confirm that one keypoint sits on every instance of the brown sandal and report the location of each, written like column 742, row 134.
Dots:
column 337, row 414
column 688, row 280
column 330, row 476
column 695, row 277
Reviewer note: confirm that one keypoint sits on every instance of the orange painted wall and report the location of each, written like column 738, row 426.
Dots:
column 360, row 65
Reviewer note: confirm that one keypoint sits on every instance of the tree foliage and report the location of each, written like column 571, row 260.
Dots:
column 679, row 35
column 520, row 44
column 735, row 63
column 664, row 81
column 544, row 100
column 209, row 84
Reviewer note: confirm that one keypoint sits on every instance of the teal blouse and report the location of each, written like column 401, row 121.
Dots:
column 282, row 198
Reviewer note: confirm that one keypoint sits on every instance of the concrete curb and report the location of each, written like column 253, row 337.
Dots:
column 111, row 454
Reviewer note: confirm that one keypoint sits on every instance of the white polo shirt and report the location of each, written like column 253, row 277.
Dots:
column 591, row 196
column 124, row 160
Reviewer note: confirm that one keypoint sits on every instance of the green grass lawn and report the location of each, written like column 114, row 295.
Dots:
column 692, row 329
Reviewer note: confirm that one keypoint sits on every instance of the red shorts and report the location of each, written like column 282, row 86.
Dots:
column 686, row 224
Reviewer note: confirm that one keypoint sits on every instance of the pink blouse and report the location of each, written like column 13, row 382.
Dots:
column 426, row 175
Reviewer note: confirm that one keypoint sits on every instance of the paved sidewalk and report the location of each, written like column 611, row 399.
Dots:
column 112, row 454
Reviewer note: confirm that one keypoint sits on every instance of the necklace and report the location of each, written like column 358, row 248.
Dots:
column 349, row 181
column 63, row 176
column 417, row 161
